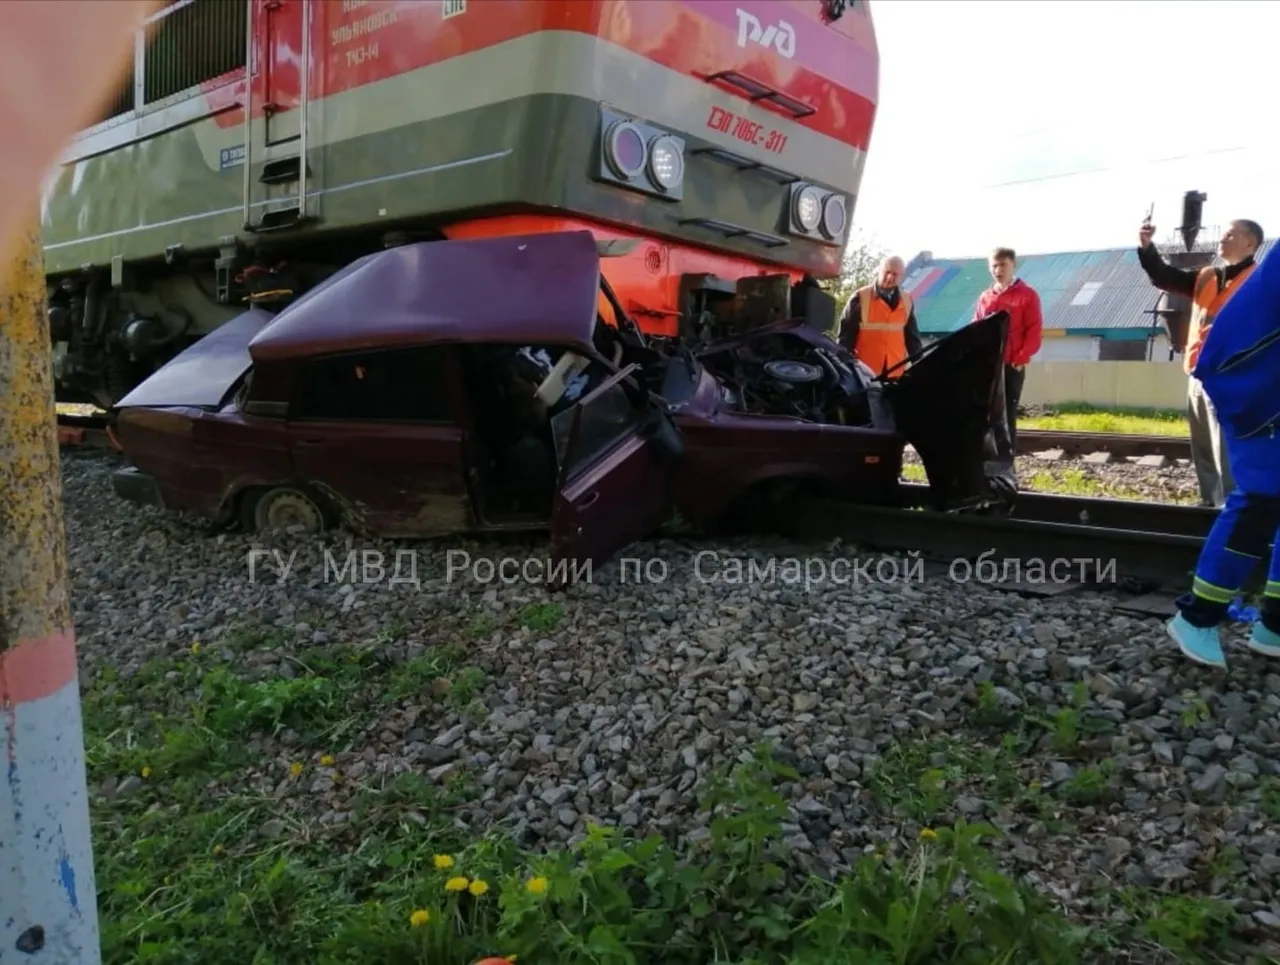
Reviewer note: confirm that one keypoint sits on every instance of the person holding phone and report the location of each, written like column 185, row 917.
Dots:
column 1209, row 290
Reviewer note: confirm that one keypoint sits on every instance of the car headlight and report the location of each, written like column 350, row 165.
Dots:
column 834, row 216
column 626, row 150
column 808, row 208
column 666, row 166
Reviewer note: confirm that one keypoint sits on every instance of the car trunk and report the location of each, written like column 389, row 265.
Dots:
column 949, row 405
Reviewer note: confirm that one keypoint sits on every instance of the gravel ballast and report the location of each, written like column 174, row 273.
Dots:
column 611, row 702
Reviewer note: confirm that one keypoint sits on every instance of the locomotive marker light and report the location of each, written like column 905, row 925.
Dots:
column 666, row 165
column 806, row 208
column 818, row 214
column 626, row 153
column 640, row 156
column 834, row 216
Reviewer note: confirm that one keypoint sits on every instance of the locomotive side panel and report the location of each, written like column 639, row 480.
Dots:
column 405, row 105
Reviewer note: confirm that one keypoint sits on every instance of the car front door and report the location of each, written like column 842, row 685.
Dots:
column 378, row 433
column 616, row 449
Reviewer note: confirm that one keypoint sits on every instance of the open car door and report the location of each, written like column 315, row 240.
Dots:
column 616, row 449
column 950, row 406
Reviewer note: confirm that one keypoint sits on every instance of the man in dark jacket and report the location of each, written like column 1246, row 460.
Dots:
column 1209, row 290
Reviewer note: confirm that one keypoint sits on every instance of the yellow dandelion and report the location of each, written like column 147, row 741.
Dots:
column 419, row 918
column 478, row 887
column 326, row 760
column 443, row 861
column 456, row 884
column 195, row 646
column 928, row 834
column 295, row 769
column 146, row 772
column 536, row 886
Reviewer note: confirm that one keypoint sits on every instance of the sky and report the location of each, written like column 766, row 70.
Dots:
column 1050, row 125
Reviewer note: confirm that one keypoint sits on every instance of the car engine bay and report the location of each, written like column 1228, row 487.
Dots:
column 781, row 373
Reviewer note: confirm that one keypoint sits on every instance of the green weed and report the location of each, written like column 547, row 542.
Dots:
column 210, row 849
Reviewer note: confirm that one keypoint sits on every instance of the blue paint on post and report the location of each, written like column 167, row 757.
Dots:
column 68, row 876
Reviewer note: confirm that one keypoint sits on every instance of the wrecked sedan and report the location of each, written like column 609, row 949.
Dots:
column 455, row 386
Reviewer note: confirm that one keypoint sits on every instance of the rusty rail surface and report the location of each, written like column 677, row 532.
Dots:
column 1120, row 445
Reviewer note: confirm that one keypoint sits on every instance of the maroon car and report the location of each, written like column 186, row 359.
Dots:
column 455, row 386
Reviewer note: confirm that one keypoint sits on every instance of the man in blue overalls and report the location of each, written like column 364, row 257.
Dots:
column 1239, row 367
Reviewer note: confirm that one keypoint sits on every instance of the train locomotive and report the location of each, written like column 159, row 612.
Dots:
column 256, row 147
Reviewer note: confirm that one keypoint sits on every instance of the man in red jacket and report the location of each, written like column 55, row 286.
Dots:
column 1013, row 295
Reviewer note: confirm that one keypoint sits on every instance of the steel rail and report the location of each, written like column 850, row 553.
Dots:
column 1123, row 514
column 1118, row 444
column 1166, row 560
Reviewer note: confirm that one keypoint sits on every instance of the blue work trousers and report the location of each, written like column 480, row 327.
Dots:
column 1245, row 532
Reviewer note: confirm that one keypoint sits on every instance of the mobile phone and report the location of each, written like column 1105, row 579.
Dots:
column 1151, row 213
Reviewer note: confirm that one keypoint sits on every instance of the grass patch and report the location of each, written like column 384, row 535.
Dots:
column 251, row 822
column 1080, row 417
column 541, row 617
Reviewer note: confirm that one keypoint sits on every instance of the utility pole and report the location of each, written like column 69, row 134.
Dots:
column 48, row 895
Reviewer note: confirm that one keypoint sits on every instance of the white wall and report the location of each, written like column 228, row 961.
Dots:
column 1068, row 348
column 1150, row 385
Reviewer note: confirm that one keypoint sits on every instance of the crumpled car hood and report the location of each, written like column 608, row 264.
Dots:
column 201, row 375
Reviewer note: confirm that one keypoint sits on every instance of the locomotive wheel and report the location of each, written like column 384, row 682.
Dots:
column 283, row 508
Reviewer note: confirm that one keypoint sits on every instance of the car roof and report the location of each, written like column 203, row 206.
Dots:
column 515, row 289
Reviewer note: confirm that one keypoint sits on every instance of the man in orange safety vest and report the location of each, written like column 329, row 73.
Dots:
column 878, row 324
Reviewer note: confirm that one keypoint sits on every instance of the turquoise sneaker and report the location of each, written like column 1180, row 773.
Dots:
column 1201, row 644
column 1262, row 640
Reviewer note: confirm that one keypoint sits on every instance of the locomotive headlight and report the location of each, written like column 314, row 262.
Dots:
column 625, row 150
column 808, row 208
column 834, row 216
column 666, row 166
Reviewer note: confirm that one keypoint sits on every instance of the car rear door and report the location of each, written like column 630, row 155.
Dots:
column 617, row 451
column 380, row 431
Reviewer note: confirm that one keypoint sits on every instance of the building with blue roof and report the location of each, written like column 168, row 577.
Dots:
column 1098, row 305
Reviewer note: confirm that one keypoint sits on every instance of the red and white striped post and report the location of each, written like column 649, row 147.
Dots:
column 48, row 896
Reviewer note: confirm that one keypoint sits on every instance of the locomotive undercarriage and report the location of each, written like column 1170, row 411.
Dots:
column 110, row 333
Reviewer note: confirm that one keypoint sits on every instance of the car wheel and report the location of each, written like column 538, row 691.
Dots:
column 285, row 508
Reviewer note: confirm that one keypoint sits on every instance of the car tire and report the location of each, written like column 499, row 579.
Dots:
column 277, row 508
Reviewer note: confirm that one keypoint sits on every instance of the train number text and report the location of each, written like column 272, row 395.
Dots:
column 746, row 130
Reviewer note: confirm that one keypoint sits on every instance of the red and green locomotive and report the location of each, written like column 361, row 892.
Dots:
column 257, row 146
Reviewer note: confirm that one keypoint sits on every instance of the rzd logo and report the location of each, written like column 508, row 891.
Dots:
column 781, row 37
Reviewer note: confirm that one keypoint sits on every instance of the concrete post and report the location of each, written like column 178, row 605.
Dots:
column 48, row 897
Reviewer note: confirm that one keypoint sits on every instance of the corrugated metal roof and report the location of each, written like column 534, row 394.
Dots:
column 1082, row 290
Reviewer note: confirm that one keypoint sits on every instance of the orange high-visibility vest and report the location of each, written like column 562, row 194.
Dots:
column 1207, row 301
column 882, row 334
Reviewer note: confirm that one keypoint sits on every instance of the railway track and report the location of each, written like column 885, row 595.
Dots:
column 1048, row 545
column 1092, row 446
